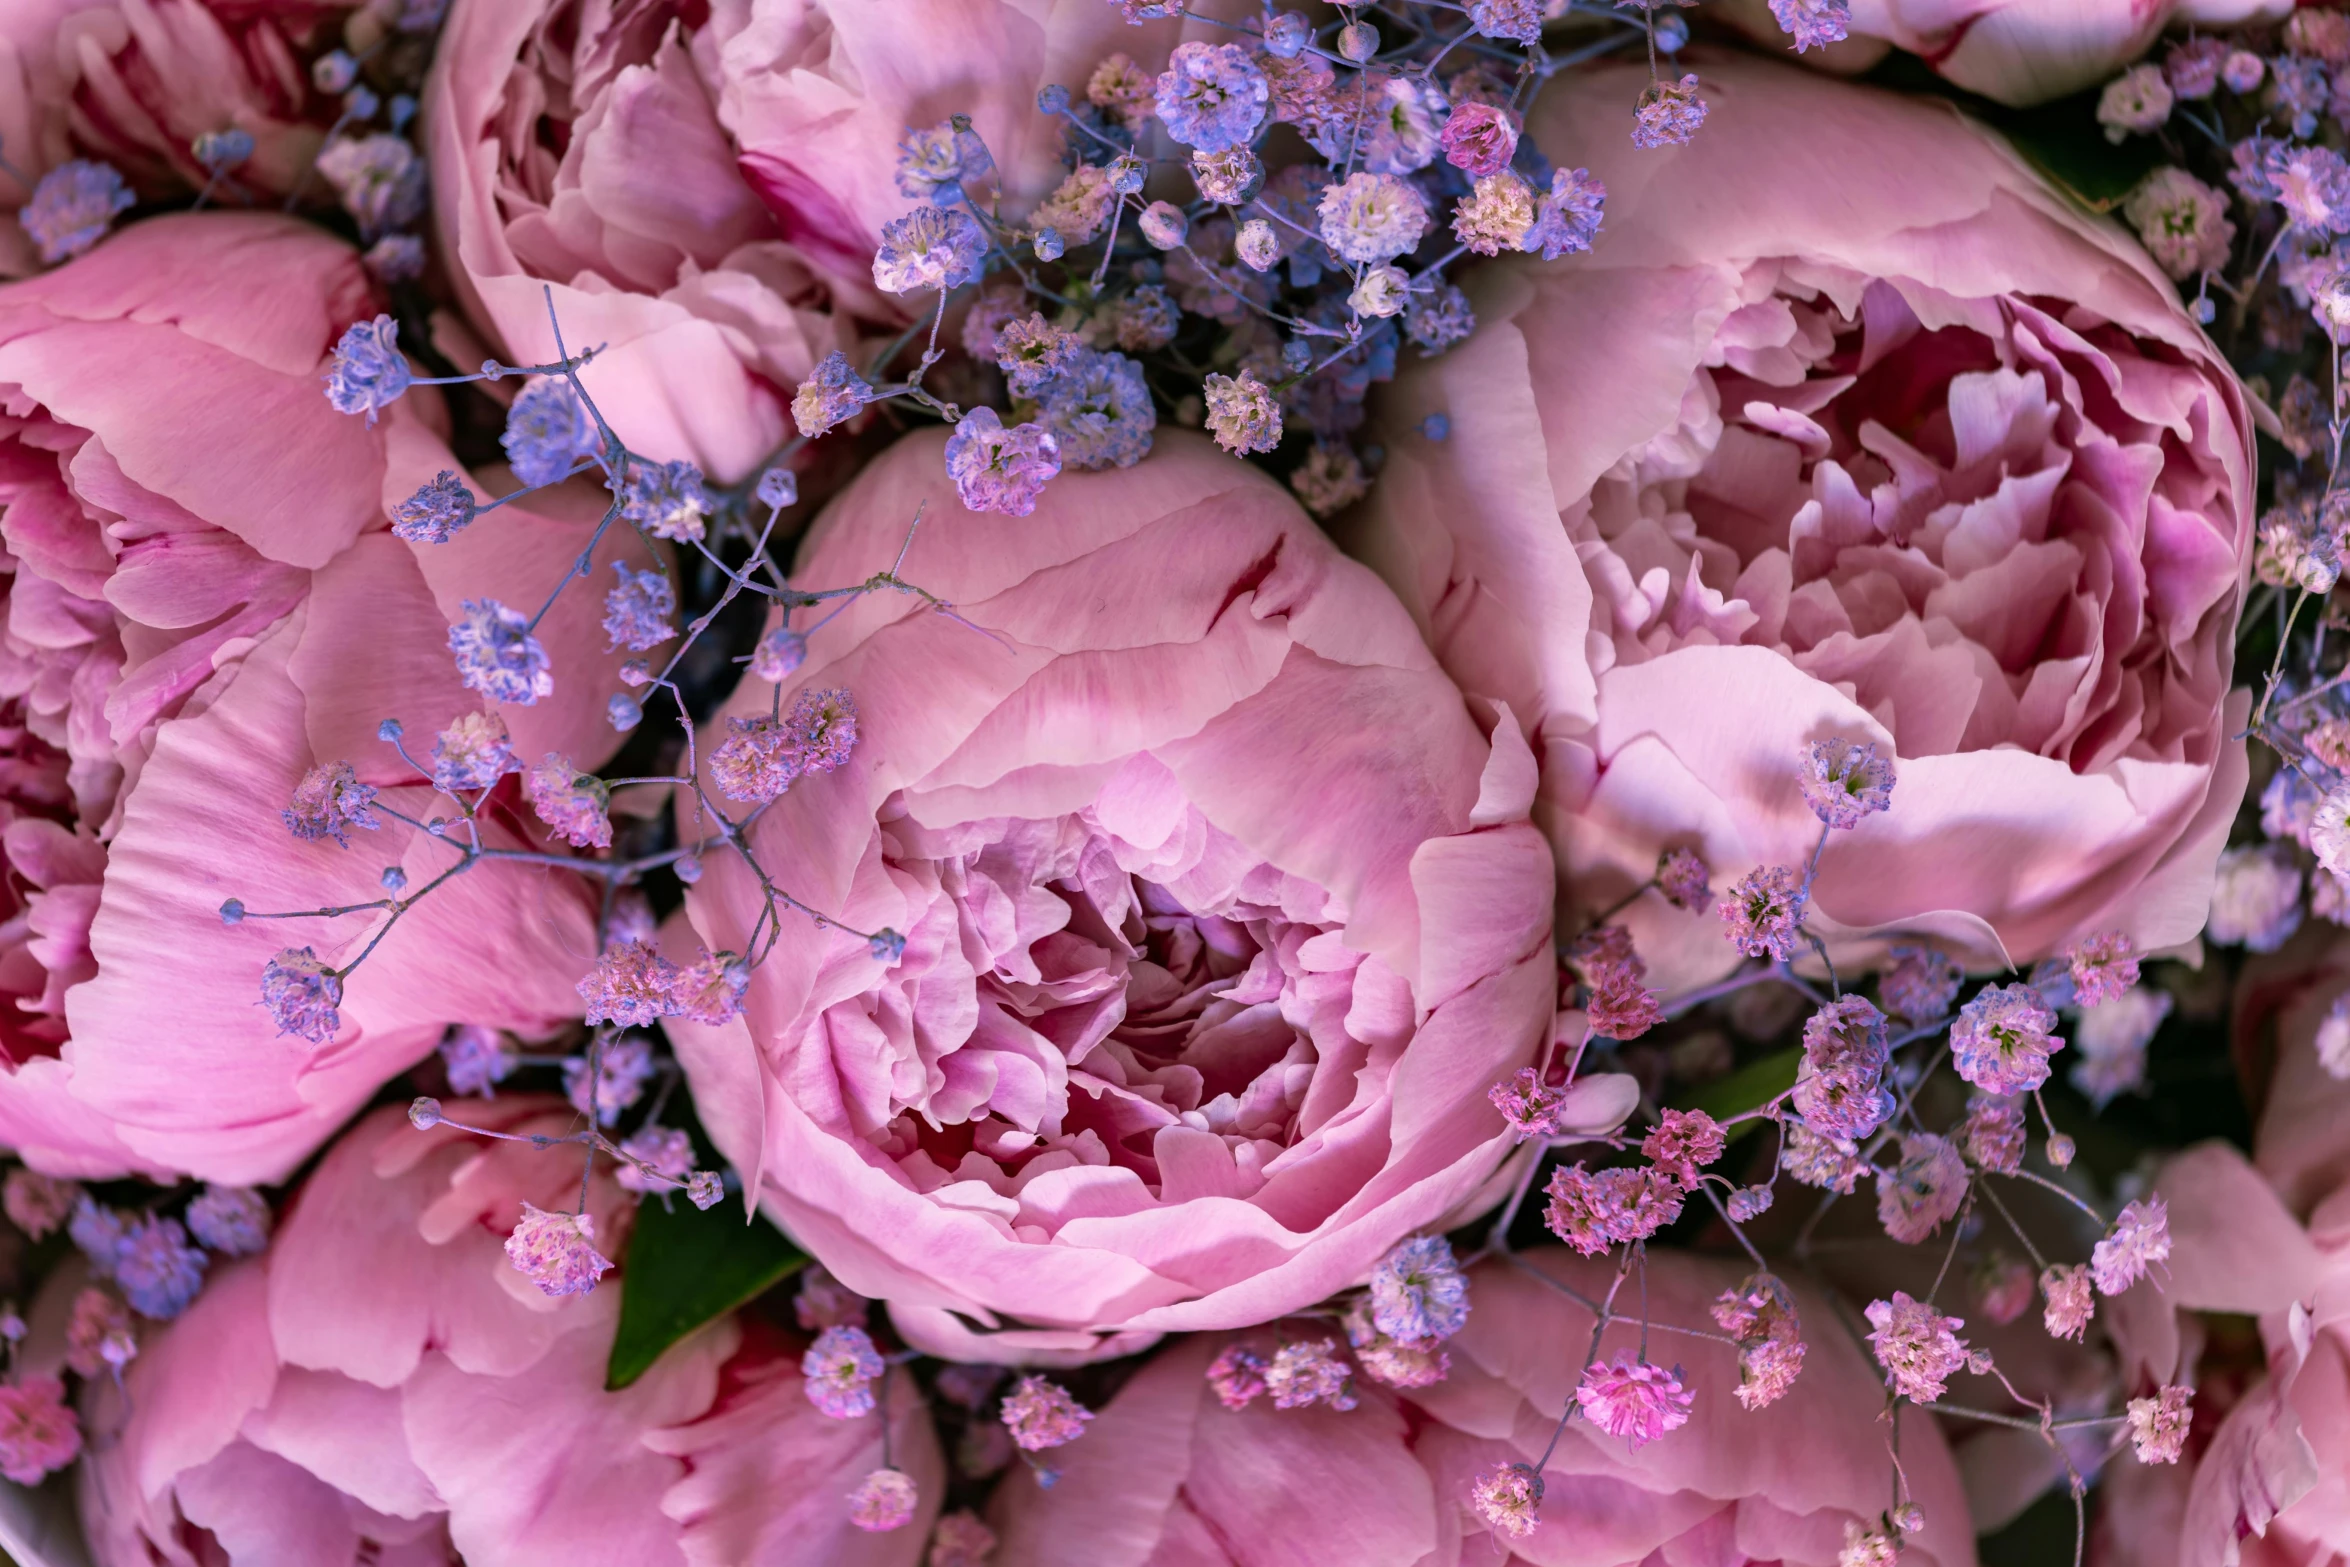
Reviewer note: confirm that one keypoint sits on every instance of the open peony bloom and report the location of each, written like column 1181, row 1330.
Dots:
column 1928, row 462
column 704, row 186
column 2274, row 1480
column 204, row 603
column 2023, row 54
column 382, row 1386
column 133, row 83
column 1220, row 916
column 1167, row 1469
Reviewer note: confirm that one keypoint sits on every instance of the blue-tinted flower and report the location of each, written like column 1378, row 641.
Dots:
column 232, row 1220
column 832, row 393
column 665, row 499
column 436, row 512
column 1418, row 1293
column 159, row 1272
column 73, row 207
column 1100, row 412
column 636, row 613
column 379, row 177
column 218, row 151
column 1669, row 114
column 1212, row 96
column 1000, row 469
column 497, row 656
column 623, row 1067
column 330, row 799
column 1567, row 216
column 548, row 430
column 1813, row 24
column 96, row 1232
column 367, row 371
column 301, row 995
column 476, row 1059
column 937, row 164
column 928, row 248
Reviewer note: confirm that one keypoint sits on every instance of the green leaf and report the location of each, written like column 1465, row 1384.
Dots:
column 685, row 1268
column 2061, row 140
column 1755, row 1083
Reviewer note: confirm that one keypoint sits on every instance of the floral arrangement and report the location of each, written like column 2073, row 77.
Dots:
column 941, row 782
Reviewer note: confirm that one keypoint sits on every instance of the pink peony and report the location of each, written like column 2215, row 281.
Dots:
column 2024, row 54
column 1682, row 573
column 1412, row 1478
column 2278, row 1466
column 704, row 186
column 381, row 1381
column 133, row 83
column 1199, row 1002
column 205, row 605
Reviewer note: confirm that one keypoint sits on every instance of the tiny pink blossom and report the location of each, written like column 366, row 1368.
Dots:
column 2103, row 967
column 631, row 985
column 1684, row 880
column 1816, row 1161
column 1396, row 1362
column 662, row 1151
column 1623, row 1010
column 1924, row 1189
column 2003, row 1038
column 1480, row 139
column 1868, row 1548
column 2140, row 1238
column 961, row 1540
column 1592, row 1212
column 1310, row 1373
column 1683, row 1142
column 557, row 1251
column 1763, row 912
column 2070, row 1302
column 1844, row 783
column 1529, row 1105
column 1840, row 1088
column 1237, row 1375
column 2158, row 1425
column 1604, row 955
column 96, row 1314
column 883, row 1500
column 710, row 989
column 1669, row 114
column 1041, row 1414
column 839, row 1371
column 1509, row 1498
column 571, row 802
column 1767, row 1368
column 1921, row 984
column 1634, row 1400
column 1994, row 1133
column 1916, row 1345
column 39, row 1434
column 1760, row 1307
column 37, row 1203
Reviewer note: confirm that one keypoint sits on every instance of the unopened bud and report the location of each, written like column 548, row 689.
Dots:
column 2061, row 1151
column 624, row 711
column 389, row 731
column 394, row 878
column 424, row 1113
column 705, row 1189
column 636, row 672
column 1049, row 244
column 118, row 1349
column 778, row 487
column 1357, row 42
column 1052, row 98
column 232, row 911
column 689, row 869
column 333, row 72
column 886, row 946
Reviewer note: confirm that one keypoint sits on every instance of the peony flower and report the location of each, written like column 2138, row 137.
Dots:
column 723, row 182
column 1134, row 784
column 1923, row 576
column 205, row 610
column 2024, row 54
column 1419, row 1475
column 132, row 84
column 376, row 1382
